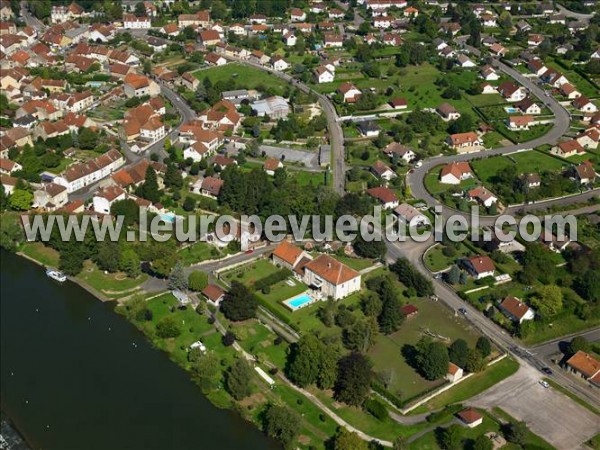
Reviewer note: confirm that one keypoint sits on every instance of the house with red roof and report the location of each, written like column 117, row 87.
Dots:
column 586, row 366
column 516, row 310
column 479, row 266
column 455, row 172
column 386, row 197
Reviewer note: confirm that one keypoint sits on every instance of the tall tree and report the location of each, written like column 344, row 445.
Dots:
column 451, row 437
column 238, row 380
column 458, row 352
column 353, row 383
column 281, row 423
column 432, row 359
column 484, row 346
column 177, row 278
column 149, row 190
column 346, row 440
column 239, row 303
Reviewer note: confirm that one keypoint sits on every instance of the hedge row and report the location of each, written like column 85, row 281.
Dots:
column 272, row 279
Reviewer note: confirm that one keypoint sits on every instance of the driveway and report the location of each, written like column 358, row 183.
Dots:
column 548, row 413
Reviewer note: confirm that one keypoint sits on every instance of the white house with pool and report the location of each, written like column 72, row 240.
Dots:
column 325, row 275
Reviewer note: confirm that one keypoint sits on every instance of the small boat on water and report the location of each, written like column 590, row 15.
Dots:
column 56, row 275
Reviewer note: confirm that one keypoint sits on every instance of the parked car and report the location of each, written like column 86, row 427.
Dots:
column 463, row 311
column 544, row 383
column 547, row 370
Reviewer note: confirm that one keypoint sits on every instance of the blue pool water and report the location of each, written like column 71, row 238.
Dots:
column 511, row 110
column 298, row 301
column 169, row 218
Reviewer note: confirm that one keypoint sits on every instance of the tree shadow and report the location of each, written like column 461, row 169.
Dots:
column 409, row 352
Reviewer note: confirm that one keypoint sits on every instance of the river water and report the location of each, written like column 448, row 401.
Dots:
column 74, row 375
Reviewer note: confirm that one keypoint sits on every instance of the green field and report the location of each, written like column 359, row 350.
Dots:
column 198, row 252
column 245, row 77
column 387, row 353
column 38, row 251
column 113, row 285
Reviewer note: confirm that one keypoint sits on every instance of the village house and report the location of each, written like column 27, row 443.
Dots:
column 411, row 216
column 487, row 88
column 479, row 266
column 79, row 175
column 585, row 172
column 271, row 165
column 8, row 183
column 209, row 37
column 586, row 366
column 454, row 374
column 584, row 105
column 289, row 38
column 133, row 22
column 104, row 198
column 200, row 19
column 488, row 73
column 516, row 123
column 528, row 106
column 470, row 417
column 568, row 148
column 383, row 171
column 50, row 196
column 398, row 103
column 498, row 50
column 455, row 172
column 569, row 91
column 333, row 40
column 349, row 92
column 288, row 255
column 135, row 85
column 482, row 196
column 213, row 295
column 589, row 138
column 331, row 278
column 396, row 150
column 447, row 112
column 7, row 167
column 516, row 310
column 511, row 92
column 385, row 196
column 211, row 187
column 464, row 142
column 279, row 64
column 323, row 75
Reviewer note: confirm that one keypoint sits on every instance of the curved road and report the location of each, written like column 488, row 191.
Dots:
column 416, row 179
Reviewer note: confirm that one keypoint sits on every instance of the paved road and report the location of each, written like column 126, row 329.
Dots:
column 336, row 135
column 561, row 125
column 549, row 414
column 553, row 347
column 581, row 17
column 30, row 19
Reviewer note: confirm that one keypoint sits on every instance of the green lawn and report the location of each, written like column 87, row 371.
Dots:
column 44, row 255
column 252, row 272
column 387, row 354
column 113, row 285
column 472, row 386
column 526, row 162
column 245, row 77
column 594, row 442
column 198, row 252
column 435, row 260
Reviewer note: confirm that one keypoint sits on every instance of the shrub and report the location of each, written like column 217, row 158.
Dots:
column 376, row 409
column 228, row 339
column 272, row 279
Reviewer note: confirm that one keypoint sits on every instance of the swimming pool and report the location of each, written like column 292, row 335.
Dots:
column 298, row 301
column 168, row 218
column 511, row 110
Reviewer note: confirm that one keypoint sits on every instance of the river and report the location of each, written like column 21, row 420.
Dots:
column 74, row 375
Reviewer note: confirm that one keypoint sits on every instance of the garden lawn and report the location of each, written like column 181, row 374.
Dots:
column 246, row 77
column 248, row 274
column 387, row 352
column 435, row 260
column 200, row 251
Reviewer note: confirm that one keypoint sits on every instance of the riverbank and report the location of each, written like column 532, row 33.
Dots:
column 50, row 380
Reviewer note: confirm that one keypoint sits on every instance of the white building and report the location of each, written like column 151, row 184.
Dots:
column 132, row 22
column 79, row 175
column 331, row 278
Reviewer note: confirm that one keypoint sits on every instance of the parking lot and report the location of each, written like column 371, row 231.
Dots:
column 548, row 413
